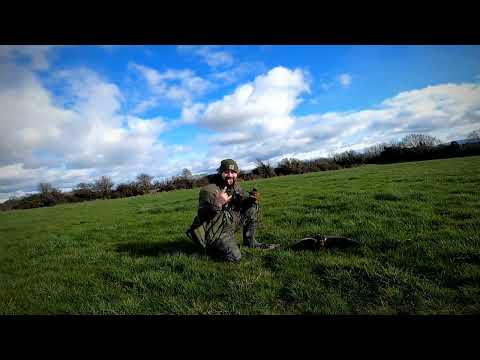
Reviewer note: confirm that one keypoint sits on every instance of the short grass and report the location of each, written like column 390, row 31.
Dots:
column 419, row 224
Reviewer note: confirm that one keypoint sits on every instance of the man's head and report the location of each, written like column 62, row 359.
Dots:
column 228, row 170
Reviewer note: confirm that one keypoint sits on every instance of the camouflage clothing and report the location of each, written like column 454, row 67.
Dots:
column 216, row 225
column 228, row 164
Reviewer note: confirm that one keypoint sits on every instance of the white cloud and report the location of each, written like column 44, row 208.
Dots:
column 145, row 105
column 210, row 54
column 181, row 86
column 238, row 72
column 29, row 120
column 263, row 105
column 36, row 54
column 230, row 138
column 42, row 139
column 448, row 112
column 181, row 149
column 326, row 86
column 85, row 134
column 192, row 112
column 16, row 180
column 93, row 96
column 345, row 80
column 342, row 80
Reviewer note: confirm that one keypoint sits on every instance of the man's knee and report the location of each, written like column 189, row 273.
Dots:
column 225, row 249
column 230, row 251
column 230, row 255
column 233, row 256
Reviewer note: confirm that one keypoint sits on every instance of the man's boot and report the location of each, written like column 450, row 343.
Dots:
column 249, row 240
column 250, row 228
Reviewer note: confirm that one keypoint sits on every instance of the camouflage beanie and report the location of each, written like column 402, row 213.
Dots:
column 228, row 164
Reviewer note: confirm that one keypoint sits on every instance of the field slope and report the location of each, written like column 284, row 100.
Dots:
column 419, row 224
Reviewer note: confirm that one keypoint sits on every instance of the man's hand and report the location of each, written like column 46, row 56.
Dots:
column 255, row 194
column 222, row 197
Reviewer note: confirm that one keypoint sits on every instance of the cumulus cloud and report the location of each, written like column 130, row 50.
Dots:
column 447, row 111
column 108, row 146
column 36, row 55
column 191, row 113
column 263, row 105
column 85, row 134
column 345, row 80
column 239, row 72
column 180, row 86
column 65, row 142
column 210, row 54
column 181, row 149
column 145, row 105
column 326, row 86
column 230, row 138
column 29, row 120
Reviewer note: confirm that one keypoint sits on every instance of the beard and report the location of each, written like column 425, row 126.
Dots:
column 229, row 181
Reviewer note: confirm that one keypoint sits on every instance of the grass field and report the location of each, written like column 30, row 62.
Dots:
column 419, row 224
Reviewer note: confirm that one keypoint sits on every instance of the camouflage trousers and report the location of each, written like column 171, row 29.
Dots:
column 224, row 245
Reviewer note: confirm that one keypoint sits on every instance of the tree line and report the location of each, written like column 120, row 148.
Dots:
column 413, row 147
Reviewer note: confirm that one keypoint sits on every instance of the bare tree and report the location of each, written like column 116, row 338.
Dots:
column 45, row 188
column 291, row 166
column 264, row 169
column 85, row 191
column 104, row 186
column 374, row 151
column 186, row 174
column 144, row 182
column 85, row 186
column 348, row 158
column 419, row 141
column 474, row 135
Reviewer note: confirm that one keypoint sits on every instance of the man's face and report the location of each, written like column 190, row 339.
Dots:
column 229, row 176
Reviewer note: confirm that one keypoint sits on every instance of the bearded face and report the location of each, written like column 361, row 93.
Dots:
column 229, row 176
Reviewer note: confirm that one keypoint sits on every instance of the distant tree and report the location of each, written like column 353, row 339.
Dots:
column 374, row 151
column 183, row 181
column 45, row 188
column 84, row 186
column 128, row 189
column 419, row 141
column 186, row 174
column 289, row 166
column 144, row 182
column 474, row 135
column 48, row 196
column 104, row 186
column 348, row 158
column 264, row 169
column 200, row 181
column 321, row 164
column 85, row 191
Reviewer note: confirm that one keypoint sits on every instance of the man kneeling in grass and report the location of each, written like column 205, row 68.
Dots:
column 223, row 209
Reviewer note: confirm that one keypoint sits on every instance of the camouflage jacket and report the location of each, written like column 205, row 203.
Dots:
column 208, row 208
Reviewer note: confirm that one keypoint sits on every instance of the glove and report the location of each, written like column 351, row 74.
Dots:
column 255, row 194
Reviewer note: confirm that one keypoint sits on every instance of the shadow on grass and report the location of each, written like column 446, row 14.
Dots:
column 386, row 197
column 146, row 248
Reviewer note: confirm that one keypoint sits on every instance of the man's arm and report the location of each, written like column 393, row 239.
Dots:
column 248, row 197
column 211, row 202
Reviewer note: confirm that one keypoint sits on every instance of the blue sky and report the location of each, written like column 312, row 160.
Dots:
column 71, row 114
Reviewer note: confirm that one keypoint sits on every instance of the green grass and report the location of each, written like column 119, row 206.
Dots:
column 419, row 224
